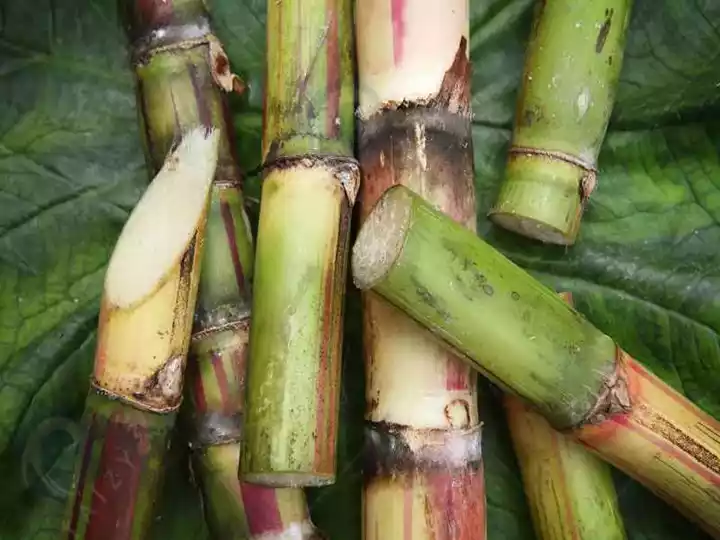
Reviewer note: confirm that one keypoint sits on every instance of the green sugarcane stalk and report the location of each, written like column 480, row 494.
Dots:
column 145, row 321
column 572, row 65
column 181, row 83
column 522, row 336
column 310, row 182
column 570, row 491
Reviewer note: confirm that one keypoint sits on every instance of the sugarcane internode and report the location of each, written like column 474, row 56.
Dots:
column 309, row 187
column 145, row 319
column 570, row 491
column 522, row 336
column 572, row 65
column 423, row 461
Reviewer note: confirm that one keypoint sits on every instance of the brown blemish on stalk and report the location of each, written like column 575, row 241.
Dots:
column 457, row 413
column 604, row 31
column 162, row 391
column 614, row 395
column 454, row 94
column 220, row 68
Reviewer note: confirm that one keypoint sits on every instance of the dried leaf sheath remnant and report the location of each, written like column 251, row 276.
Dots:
column 572, row 64
column 309, row 187
column 526, row 339
column 423, row 462
column 143, row 336
column 182, row 84
column 570, row 491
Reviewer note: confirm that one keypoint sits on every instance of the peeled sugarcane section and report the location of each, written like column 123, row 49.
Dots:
column 423, row 464
column 570, row 491
column 144, row 329
column 572, row 64
column 521, row 335
column 181, row 82
column 310, row 183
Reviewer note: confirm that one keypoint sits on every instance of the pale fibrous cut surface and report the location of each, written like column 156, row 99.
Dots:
column 380, row 239
column 163, row 223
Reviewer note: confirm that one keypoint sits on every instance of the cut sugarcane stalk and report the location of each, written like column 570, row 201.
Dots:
column 310, row 183
column 143, row 336
column 569, row 490
column 423, row 468
column 233, row 509
column 522, row 336
column 572, row 66
column 181, row 83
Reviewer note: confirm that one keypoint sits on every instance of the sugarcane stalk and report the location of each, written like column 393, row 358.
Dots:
column 233, row 509
column 423, row 466
column 181, row 83
column 570, row 491
column 572, row 64
column 522, row 336
column 144, row 330
column 309, row 187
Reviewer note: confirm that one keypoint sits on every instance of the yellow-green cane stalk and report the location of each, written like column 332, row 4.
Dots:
column 310, row 182
column 572, row 65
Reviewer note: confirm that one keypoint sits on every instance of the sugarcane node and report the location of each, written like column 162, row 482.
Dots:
column 98, row 388
column 393, row 448
column 555, row 155
column 346, row 170
column 228, row 176
column 614, row 395
column 213, row 428
column 173, row 38
column 452, row 131
column 224, row 317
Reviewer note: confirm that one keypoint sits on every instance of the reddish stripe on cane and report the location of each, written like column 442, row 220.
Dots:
column 222, row 382
column 229, row 223
column 457, row 373
column 398, row 26
column 261, row 509
column 82, row 477
column 116, row 489
column 408, row 509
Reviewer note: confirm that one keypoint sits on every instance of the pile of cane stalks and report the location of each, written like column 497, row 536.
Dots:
column 367, row 174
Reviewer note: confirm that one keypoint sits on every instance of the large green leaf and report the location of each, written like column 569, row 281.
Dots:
column 646, row 268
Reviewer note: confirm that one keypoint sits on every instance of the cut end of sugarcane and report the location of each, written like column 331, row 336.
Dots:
column 381, row 237
column 165, row 220
column 532, row 228
column 541, row 197
column 289, row 479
